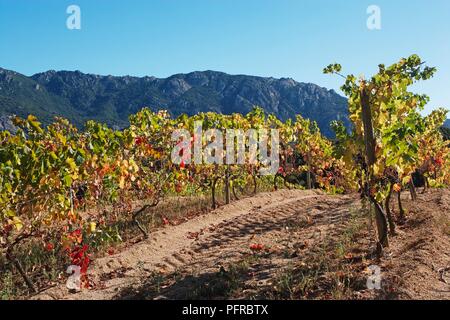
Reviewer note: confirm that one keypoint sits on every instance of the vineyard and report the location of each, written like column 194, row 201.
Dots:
column 69, row 195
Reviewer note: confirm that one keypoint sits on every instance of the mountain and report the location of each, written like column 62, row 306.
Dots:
column 6, row 124
column 445, row 130
column 110, row 99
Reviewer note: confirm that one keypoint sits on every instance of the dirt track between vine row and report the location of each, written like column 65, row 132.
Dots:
column 290, row 224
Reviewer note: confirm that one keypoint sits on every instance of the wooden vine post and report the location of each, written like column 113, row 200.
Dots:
column 308, row 174
column 227, row 185
column 369, row 142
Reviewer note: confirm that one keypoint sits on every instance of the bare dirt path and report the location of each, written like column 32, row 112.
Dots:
column 313, row 246
column 175, row 246
column 418, row 262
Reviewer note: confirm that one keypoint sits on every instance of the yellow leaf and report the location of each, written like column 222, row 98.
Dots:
column 71, row 163
column 62, row 138
column 406, row 180
column 122, row 182
column 376, row 169
column 92, row 226
column 66, row 243
column 17, row 223
column 10, row 213
column 133, row 166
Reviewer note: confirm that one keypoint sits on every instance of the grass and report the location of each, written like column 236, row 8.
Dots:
column 327, row 272
column 222, row 284
column 225, row 282
column 43, row 267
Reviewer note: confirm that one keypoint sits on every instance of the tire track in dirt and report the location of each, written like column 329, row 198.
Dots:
column 272, row 223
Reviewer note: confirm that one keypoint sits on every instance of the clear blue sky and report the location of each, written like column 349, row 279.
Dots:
column 279, row 38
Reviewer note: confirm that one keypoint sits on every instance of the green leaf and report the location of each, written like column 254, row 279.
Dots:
column 68, row 180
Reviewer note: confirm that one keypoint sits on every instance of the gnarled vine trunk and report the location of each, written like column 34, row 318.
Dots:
column 412, row 190
column 213, row 192
column 12, row 259
column 369, row 142
column 388, row 211
column 227, row 185
column 138, row 212
column 382, row 226
column 400, row 206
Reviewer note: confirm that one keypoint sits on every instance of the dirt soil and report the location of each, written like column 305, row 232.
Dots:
column 289, row 244
column 417, row 263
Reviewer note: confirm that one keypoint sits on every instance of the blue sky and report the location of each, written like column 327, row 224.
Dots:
column 279, row 38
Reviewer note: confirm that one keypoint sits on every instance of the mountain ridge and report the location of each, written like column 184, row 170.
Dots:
column 82, row 96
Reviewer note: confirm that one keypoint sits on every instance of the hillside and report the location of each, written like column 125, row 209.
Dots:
column 110, row 99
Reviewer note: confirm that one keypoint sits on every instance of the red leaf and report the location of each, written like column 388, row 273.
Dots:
column 165, row 220
column 348, row 256
column 193, row 235
column 256, row 247
column 138, row 141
